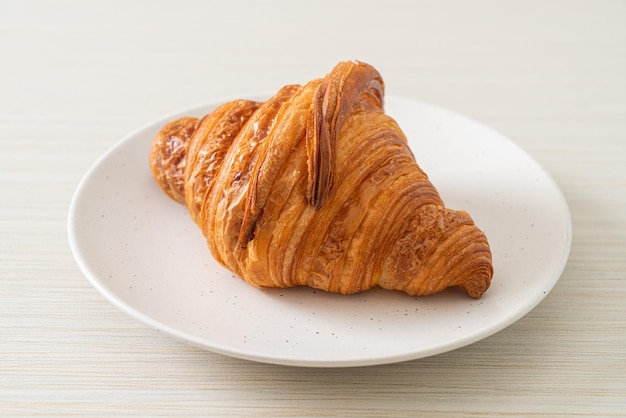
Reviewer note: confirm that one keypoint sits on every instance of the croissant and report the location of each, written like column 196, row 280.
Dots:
column 317, row 186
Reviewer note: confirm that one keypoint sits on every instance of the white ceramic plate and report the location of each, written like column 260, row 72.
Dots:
column 142, row 252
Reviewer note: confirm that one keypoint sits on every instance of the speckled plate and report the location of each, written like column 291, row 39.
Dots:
column 143, row 253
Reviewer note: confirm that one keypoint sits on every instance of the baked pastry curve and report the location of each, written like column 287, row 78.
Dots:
column 317, row 186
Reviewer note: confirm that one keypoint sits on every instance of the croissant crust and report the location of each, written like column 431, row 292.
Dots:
column 317, row 186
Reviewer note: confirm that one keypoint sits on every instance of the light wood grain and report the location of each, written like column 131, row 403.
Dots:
column 75, row 77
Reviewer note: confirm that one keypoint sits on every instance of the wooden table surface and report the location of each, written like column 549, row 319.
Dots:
column 76, row 77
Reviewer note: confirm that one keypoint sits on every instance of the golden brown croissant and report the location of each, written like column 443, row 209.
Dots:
column 317, row 186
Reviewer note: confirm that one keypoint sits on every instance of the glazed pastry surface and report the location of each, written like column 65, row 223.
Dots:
column 317, row 187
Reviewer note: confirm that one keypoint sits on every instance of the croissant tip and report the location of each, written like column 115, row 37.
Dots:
column 477, row 286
